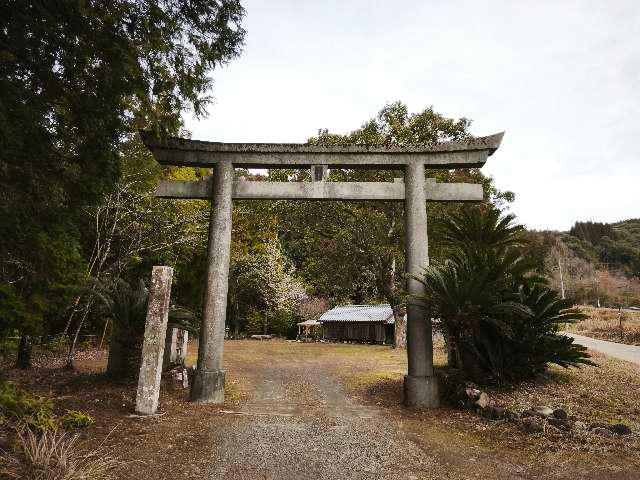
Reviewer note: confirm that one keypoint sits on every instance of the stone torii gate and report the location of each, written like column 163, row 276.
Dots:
column 420, row 384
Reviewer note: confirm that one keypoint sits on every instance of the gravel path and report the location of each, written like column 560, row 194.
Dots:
column 300, row 424
column 630, row 353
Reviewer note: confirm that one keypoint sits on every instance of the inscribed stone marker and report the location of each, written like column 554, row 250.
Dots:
column 154, row 340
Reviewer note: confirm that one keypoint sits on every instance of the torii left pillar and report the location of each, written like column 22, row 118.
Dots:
column 208, row 383
column 420, row 384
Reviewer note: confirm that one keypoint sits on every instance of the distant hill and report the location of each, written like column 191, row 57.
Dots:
column 615, row 246
column 596, row 263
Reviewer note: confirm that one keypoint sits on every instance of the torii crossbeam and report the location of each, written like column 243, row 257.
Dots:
column 420, row 384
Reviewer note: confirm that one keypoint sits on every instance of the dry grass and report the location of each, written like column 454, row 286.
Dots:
column 56, row 456
column 176, row 441
column 606, row 393
column 180, row 441
column 604, row 323
column 374, row 375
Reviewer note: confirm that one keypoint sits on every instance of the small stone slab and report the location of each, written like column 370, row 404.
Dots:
column 544, row 412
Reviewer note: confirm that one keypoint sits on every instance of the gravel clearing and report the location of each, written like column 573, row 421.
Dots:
column 300, row 424
column 313, row 448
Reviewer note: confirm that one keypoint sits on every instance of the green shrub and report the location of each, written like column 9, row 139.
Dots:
column 23, row 410
column 76, row 419
column 255, row 322
column 284, row 324
column 499, row 319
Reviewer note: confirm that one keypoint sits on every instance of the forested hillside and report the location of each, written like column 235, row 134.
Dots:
column 600, row 262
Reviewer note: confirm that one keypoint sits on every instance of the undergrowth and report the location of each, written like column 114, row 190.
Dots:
column 54, row 455
column 20, row 410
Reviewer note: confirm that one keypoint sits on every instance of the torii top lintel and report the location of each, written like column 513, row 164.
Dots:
column 472, row 153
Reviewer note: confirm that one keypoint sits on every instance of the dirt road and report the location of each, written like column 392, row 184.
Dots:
column 300, row 424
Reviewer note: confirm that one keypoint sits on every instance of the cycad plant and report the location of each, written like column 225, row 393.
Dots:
column 126, row 305
column 499, row 320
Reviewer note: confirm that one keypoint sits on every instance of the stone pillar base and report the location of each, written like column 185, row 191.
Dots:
column 208, row 386
column 421, row 391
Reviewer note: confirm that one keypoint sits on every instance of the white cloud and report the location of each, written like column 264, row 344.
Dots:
column 562, row 78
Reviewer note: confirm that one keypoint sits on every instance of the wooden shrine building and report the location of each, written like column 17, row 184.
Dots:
column 358, row 323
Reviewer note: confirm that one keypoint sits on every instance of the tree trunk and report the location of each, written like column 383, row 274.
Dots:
column 452, row 351
column 468, row 363
column 400, row 329
column 24, row 352
column 125, row 353
column 72, row 348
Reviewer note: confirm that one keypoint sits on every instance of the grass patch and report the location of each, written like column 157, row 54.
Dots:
column 380, row 387
column 604, row 324
column 56, row 456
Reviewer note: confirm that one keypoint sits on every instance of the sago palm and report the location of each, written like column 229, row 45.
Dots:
column 500, row 322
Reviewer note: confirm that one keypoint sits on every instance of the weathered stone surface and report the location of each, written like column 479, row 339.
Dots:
column 182, row 346
column 154, row 341
column 511, row 415
column 208, row 383
column 483, row 400
column 560, row 424
column 180, row 376
column 532, row 424
column 493, row 412
column 208, row 386
column 185, row 378
column 319, row 173
column 472, row 394
column 604, row 432
column 620, row 429
column 385, row 191
column 421, row 387
column 421, row 391
column 543, row 411
column 175, row 349
column 182, row 151
column 170, row 345
column 560, row 414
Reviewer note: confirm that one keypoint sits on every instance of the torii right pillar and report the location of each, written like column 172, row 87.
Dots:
column 420, row 384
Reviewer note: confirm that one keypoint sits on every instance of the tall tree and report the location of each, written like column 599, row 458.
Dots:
column 354, row 251
column 76, row 79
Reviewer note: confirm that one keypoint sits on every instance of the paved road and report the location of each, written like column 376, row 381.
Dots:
column 630, row 353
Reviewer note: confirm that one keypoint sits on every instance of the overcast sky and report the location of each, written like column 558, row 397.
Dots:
column 562, row 78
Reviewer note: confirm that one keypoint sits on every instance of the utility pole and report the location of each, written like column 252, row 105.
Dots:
column 561, row 279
